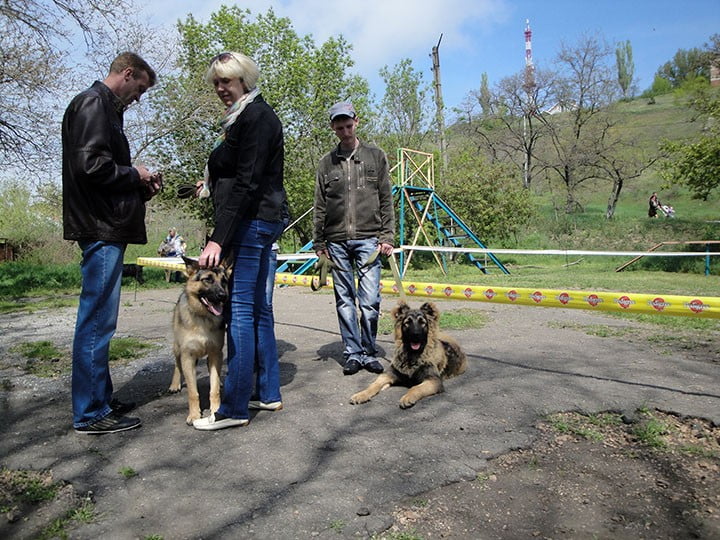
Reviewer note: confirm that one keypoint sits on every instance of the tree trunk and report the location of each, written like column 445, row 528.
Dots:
column 614, row 197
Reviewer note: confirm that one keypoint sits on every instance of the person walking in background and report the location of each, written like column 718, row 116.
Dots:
column 653, row 205
column 245, row 177
column 354, row 223
column 103, row 211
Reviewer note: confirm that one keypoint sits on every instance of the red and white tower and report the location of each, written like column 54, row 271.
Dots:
column 529, row 67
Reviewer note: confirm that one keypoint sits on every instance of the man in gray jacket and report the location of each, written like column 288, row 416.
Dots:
column 354, row 223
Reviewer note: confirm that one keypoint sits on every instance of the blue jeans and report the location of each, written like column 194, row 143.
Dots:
column 251, row 323
column 358, row 340
column 97, row 316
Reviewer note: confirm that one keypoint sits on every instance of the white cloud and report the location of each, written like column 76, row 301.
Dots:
column 381, row 31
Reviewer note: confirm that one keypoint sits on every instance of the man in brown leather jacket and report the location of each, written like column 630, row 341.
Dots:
column 103, row 210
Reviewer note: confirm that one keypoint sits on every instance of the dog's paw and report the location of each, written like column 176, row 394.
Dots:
column 357, row 399
column 173, row 389
column 406, row 402
column 190, row 418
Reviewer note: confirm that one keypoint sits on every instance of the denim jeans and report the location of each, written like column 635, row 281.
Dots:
column 349, row 256
column 250, row 322
column 97, row 316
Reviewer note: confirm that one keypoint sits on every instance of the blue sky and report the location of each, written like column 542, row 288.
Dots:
column 479, row 35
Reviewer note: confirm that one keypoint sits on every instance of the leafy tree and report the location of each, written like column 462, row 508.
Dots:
column 696, row 164
column 485, row 96
column 625, row 66
column 299, row 79
column 24, row 221
column 404, row 106
column 686, row 64
column 659, row 87
column 486, row 196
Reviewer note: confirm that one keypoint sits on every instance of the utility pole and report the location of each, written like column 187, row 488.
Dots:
column 439, row 116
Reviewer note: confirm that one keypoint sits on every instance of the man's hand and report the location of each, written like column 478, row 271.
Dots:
column 386, row 249
column 152, row 182
column 322, row 252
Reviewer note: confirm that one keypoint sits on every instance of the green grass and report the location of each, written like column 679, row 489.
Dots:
column 127, row 472
column 45, row 359
column 574, row 427
column 126, row 349
column 650, row 432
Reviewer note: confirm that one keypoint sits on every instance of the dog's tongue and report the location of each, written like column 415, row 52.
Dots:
column 415, row 346
column 212, row 308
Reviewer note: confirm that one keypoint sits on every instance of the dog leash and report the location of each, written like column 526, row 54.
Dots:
column 396, row 276
column 323, row 266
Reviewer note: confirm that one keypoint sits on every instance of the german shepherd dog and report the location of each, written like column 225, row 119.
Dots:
column 423, row 357
column 199, row 330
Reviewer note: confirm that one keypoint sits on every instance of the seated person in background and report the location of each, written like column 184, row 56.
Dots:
column 173, row 246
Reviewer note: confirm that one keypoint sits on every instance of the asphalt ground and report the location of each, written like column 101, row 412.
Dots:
column 321, row 462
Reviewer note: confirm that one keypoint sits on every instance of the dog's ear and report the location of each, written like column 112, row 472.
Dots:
column 431, row 311
column 191, row 265
column 400, row 310
column 227, row 262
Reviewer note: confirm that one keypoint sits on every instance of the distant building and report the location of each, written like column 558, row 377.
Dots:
column 715, row 73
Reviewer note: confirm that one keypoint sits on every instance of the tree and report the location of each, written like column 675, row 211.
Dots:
column 578, row 137
column 404, row 106
column 485, row 96
column 36, row 41
column 696, row 164
column 486, row 196
column 686, row 64
column 625, row 66
column 517, row 107
column 298, row 79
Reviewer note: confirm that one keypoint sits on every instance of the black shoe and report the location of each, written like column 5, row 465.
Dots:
column 374, row 366
column 120, row 408
column 112, row 423
column 352, row 366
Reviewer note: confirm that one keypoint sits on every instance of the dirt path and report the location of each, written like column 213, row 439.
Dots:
column 515, row 448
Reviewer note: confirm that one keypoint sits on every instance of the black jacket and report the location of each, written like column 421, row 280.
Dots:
column 103, row 197
column 246, row 172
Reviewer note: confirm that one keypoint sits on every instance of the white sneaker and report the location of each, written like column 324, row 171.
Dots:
column 260, row 406
column 209, row 423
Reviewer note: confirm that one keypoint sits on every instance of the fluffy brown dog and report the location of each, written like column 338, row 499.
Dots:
column 423, row 356
column 199, row 330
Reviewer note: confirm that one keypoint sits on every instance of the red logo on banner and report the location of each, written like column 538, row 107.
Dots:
column 696, row 306
column 593, row 300
column 489, row 294
column 625, row 302
column 513, row 295
column 564, row 298
column 429, row 290
column 468, row 292
column 537, row 296
column 659, row 304
column 448, row 291
column 412, row 289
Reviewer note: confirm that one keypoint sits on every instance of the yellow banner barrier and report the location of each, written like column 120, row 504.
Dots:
column 619, row 302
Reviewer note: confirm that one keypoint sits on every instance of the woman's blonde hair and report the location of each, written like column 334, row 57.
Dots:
column 233, row 65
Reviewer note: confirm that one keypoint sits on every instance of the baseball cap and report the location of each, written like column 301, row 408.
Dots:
column 342, row 109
